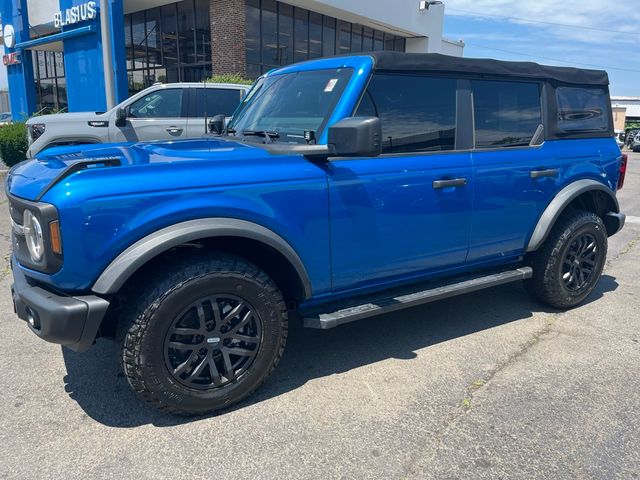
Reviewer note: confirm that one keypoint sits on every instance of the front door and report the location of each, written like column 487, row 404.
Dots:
column 406, row 212
column 159, row 115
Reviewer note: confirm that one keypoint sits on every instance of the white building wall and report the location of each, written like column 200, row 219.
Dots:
column 632, row 105
column 41, row 12
column 454, row 48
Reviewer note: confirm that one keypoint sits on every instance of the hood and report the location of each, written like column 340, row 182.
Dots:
column 68, row 117
column 31, row 179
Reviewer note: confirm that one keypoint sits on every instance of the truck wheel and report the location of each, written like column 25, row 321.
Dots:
column 568, row 265
column 204, row 335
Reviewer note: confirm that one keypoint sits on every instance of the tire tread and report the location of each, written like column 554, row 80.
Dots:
column 137, row 315
column 542, row 285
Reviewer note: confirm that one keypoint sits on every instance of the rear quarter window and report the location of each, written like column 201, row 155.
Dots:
column 582, row 109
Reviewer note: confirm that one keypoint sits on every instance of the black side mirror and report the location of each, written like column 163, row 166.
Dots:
column 121, row 117
column 216, row 124
column 356, row 137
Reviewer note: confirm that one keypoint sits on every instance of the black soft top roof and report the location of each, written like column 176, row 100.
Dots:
column 435, row 62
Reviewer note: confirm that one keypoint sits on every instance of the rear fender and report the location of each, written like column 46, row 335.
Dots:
column 562, row 200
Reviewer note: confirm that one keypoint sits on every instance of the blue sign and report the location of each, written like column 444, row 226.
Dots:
column 22, row 92
column 82, row 44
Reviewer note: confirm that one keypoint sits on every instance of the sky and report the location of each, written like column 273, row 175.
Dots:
column 602, row 34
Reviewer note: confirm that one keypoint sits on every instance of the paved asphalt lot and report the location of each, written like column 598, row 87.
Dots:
column 490, row 385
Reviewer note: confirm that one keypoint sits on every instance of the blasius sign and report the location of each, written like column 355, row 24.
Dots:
column 75, row 14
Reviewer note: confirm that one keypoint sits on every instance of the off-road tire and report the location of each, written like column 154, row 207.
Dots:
column 147, row 318
column 547, row 284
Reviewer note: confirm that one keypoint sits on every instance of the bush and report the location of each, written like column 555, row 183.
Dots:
column 229, row 78
column 13, row 143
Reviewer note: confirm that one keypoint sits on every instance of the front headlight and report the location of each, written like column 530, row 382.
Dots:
column 33, row 236
column 36, row 130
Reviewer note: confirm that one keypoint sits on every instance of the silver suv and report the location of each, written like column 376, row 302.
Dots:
column 161, row 112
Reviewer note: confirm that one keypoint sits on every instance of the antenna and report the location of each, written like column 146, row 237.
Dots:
column 206, row 130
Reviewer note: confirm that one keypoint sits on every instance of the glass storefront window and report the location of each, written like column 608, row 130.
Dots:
column 328, row 36
column 269, row 29
column 59, row 61
column 378, row 40
column 285, row 33
column 367, row 39
column 315, row 35
column 62, row 93
column 203, row 32
column 139, row 40
column 169, row 35
column 154, row 40
column 279, row 34
column 128, row 45
column 168, row 44
column 301, row 34
column 356, row 38
column 186, row 32
column 345, row 37
column 389, row 41
column 51, row 85
column 252, row 36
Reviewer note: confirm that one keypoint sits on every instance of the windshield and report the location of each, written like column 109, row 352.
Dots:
column 288, row 105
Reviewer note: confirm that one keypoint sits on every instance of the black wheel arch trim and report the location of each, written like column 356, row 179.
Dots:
column 147, row 248
column 562, row 199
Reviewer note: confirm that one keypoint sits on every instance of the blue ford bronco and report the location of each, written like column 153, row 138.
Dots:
column 342, row 188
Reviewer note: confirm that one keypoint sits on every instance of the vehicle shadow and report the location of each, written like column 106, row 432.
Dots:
column 94, row 380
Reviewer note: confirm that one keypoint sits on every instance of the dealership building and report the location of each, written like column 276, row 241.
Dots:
column 79, row 55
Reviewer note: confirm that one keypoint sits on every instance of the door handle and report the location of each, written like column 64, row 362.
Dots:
column 174, row 130
column 454, row 182
column 551, row 172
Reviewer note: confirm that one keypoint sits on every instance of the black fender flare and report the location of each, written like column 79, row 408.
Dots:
column 147, row 248
column 563, row 198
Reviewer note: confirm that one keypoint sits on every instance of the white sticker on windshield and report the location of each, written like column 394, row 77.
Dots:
column 331, row 85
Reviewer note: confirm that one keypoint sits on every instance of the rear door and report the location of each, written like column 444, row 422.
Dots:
column 206, row 102
column 159, row 115
column 406, row 212
column 514, row 181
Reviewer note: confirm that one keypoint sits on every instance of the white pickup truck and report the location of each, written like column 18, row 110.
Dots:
column 161, row 112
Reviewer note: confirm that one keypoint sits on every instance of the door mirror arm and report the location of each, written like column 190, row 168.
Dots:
column 538, row 137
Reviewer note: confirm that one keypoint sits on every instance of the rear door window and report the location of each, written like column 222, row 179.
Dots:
column 506, row 114
column 582, row 109
column 213, row 101
column 164, row 103
column 417, row 113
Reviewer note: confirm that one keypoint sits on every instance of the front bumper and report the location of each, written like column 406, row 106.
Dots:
column 54, row 316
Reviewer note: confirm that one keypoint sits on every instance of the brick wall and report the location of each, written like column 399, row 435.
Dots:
column 227, row 36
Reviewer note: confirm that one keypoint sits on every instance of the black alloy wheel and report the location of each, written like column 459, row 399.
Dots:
column 580, row 262
column 568, row 265
column 213, row 342
column 202, row 332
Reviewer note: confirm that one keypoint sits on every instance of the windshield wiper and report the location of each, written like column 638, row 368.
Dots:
column 268, row 136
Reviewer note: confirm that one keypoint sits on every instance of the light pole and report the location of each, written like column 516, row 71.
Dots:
column 107, row 53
